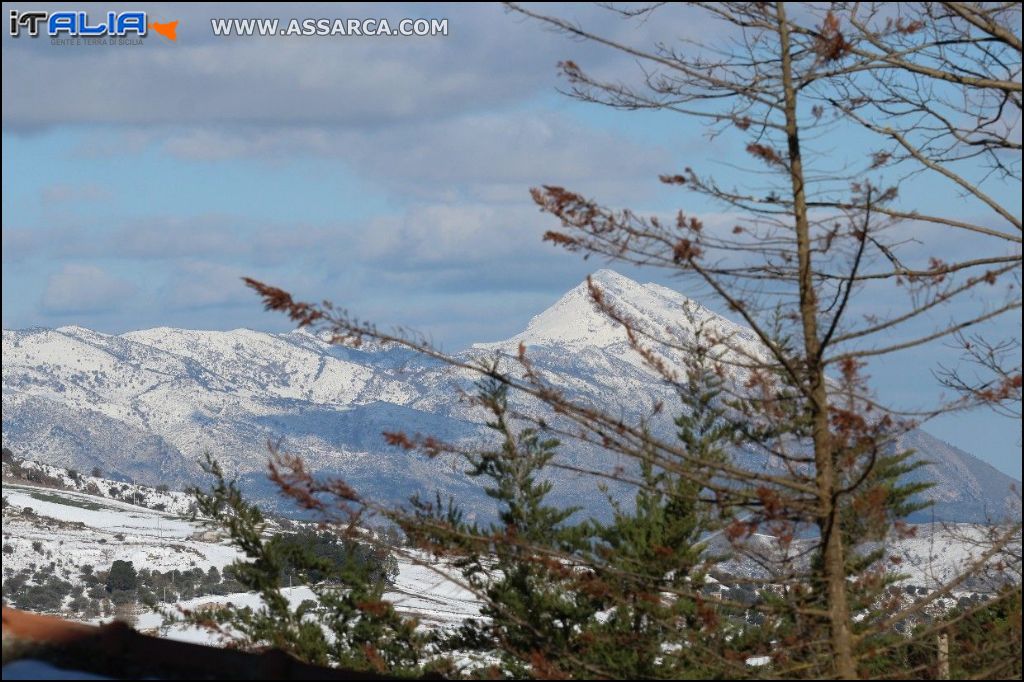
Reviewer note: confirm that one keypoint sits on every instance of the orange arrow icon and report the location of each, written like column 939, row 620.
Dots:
column 168, row 30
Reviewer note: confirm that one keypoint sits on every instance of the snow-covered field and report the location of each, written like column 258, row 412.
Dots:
column 50, row 476
column 424, row 592
column 938, row 553
column 71, row 529
column 107, row 515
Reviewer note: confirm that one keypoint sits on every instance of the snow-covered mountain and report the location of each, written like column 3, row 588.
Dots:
column 146, row 405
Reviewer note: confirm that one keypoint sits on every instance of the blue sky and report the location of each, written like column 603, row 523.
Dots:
column 390, row 175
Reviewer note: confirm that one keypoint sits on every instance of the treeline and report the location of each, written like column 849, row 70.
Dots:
column 96, row 593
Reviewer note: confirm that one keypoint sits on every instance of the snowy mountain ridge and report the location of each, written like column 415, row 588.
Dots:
column 148, row 404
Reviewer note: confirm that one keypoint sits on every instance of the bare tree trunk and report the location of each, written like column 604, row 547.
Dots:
column 943, row 642
column 834, row 563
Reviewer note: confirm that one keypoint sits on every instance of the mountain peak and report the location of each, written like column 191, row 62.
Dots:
column 77, row 330
column 574, row 319
column 610, row 278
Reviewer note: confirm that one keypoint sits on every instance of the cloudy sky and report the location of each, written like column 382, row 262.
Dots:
column 388, row 174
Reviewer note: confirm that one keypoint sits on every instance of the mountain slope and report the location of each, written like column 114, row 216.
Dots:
column 148, row 404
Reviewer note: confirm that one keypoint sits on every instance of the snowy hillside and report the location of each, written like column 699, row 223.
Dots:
column 76, row 529
column 146, row 405
column 54, row 537
column 24, row 472
column 64, row 542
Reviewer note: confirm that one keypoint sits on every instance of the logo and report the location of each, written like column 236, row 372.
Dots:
column 75, row 24
column 168, row 30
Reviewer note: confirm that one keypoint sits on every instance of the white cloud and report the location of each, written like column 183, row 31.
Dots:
column 490, row 59
column 84, row 289
column 201, row 284
column 363, row 82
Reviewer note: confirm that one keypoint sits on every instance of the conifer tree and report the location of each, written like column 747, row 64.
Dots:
column 348, row 625
column 523, row 564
